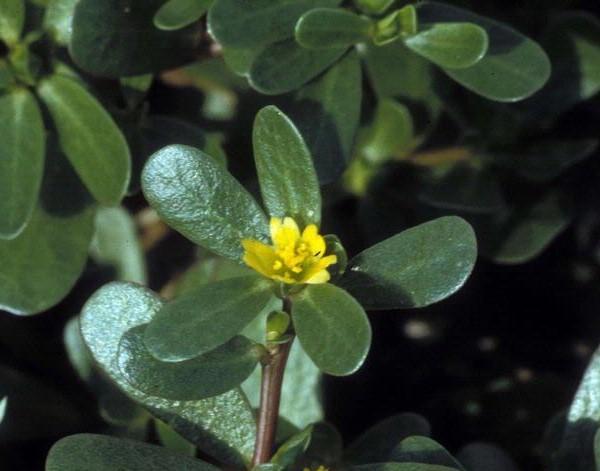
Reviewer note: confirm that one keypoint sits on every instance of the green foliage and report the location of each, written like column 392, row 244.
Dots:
column 21, row 160
column 324, row 28
column 177, row 14
column 286, row 174
column 12, row 19
column 415, row 268
column 332, row 327
column 99, row 453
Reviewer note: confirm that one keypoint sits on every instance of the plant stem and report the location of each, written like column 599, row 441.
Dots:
column 270, row 394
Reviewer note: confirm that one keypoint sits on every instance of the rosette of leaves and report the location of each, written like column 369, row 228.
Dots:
column 514, row 172
column 61, row 154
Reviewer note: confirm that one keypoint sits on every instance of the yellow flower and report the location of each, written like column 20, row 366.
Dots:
column 320, row 468
column 294, row 257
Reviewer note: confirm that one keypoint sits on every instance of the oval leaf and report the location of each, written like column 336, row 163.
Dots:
column 222, row 426
column 288, row 181
column 332, row 327
column 324, row 28
column 177, row 14
column 41, row 265
column 424, row 450
column 514, row 67
column 327, row 112
column 199, row 198
column 117, row 38
column 213, row 373
column 12, row 19
column 450, row 45
column 415, row 268
column 207, row 317
column 285, row 66
column 22, row 136
column 101, row 453
column 89, row 138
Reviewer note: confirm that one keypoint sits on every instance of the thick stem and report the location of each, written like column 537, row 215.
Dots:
column 270, row 394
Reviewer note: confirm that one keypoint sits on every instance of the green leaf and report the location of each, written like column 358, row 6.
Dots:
column 199, row 198
column 400, row 23
column 58, row 20
column 401, row 467
column 101, row 453
column 3, row 404
column 12, row 20
column 212, row 314
column 325, row 28
column 41, row 265
column 254, row 24
column 417, row 449
column 285, row 66
column 117, row 38
column 514, row 68
column 379, row 442
column 222, row 426
column 89, row 137
column 374, row 7
column 325, row 446
column 177, row 14
column 485, row 457
column 450, row 45
column 327, row 112
column 415, row 268
column 172, row 440
column 391, row 133
column 286, row 173
column 115, row 243
column 208, row 375
column 332, row 327
column 287, row 454
column 527, row 231
column 22, row 135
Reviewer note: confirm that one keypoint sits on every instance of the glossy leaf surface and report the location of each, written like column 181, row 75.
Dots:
column 414, row 268
column 176, row 14
column 199, row 198
column 332, row 327
column 22, row 138
column 286, row 173
column 325, row 28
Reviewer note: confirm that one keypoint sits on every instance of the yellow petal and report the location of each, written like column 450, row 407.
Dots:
column 320, row 277
column 259, row 256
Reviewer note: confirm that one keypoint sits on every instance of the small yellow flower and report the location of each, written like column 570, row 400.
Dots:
column 320, row 468
column 294, row 257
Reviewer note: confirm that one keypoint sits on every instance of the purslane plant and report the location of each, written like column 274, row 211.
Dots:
column 191, row 348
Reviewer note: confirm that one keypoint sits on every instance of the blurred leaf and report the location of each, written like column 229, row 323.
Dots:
column 207, row 317
column 22, row 135
column 326, row 28
column 41, row 265
column 222, row 426
column 101, row 453
column 374, row 7
column 203, row 201
column 466, row 189
column 391, row 134
column 12, row 19
column 89, row 137
column 514, row 68
column 325, row 446
column 285, row 66
column 527, row 232
column 417, row 449
column 34, row 410
column 117, row 38
column 208, row 375
column 450, row 45
column 78, row 353
column 332, row 327
column 177, row 14
column 3, row 404
column 58, row 20
column 401, row 467
column 327, row 112
column 545, row 160
column 485, row 457
column 169, row 438
column 254, row 24
column 414, row 268
column 286, row 173
column 136, row 88
column 400, row 23
column 115, row 242
column 379, row 442
column 287, row 454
